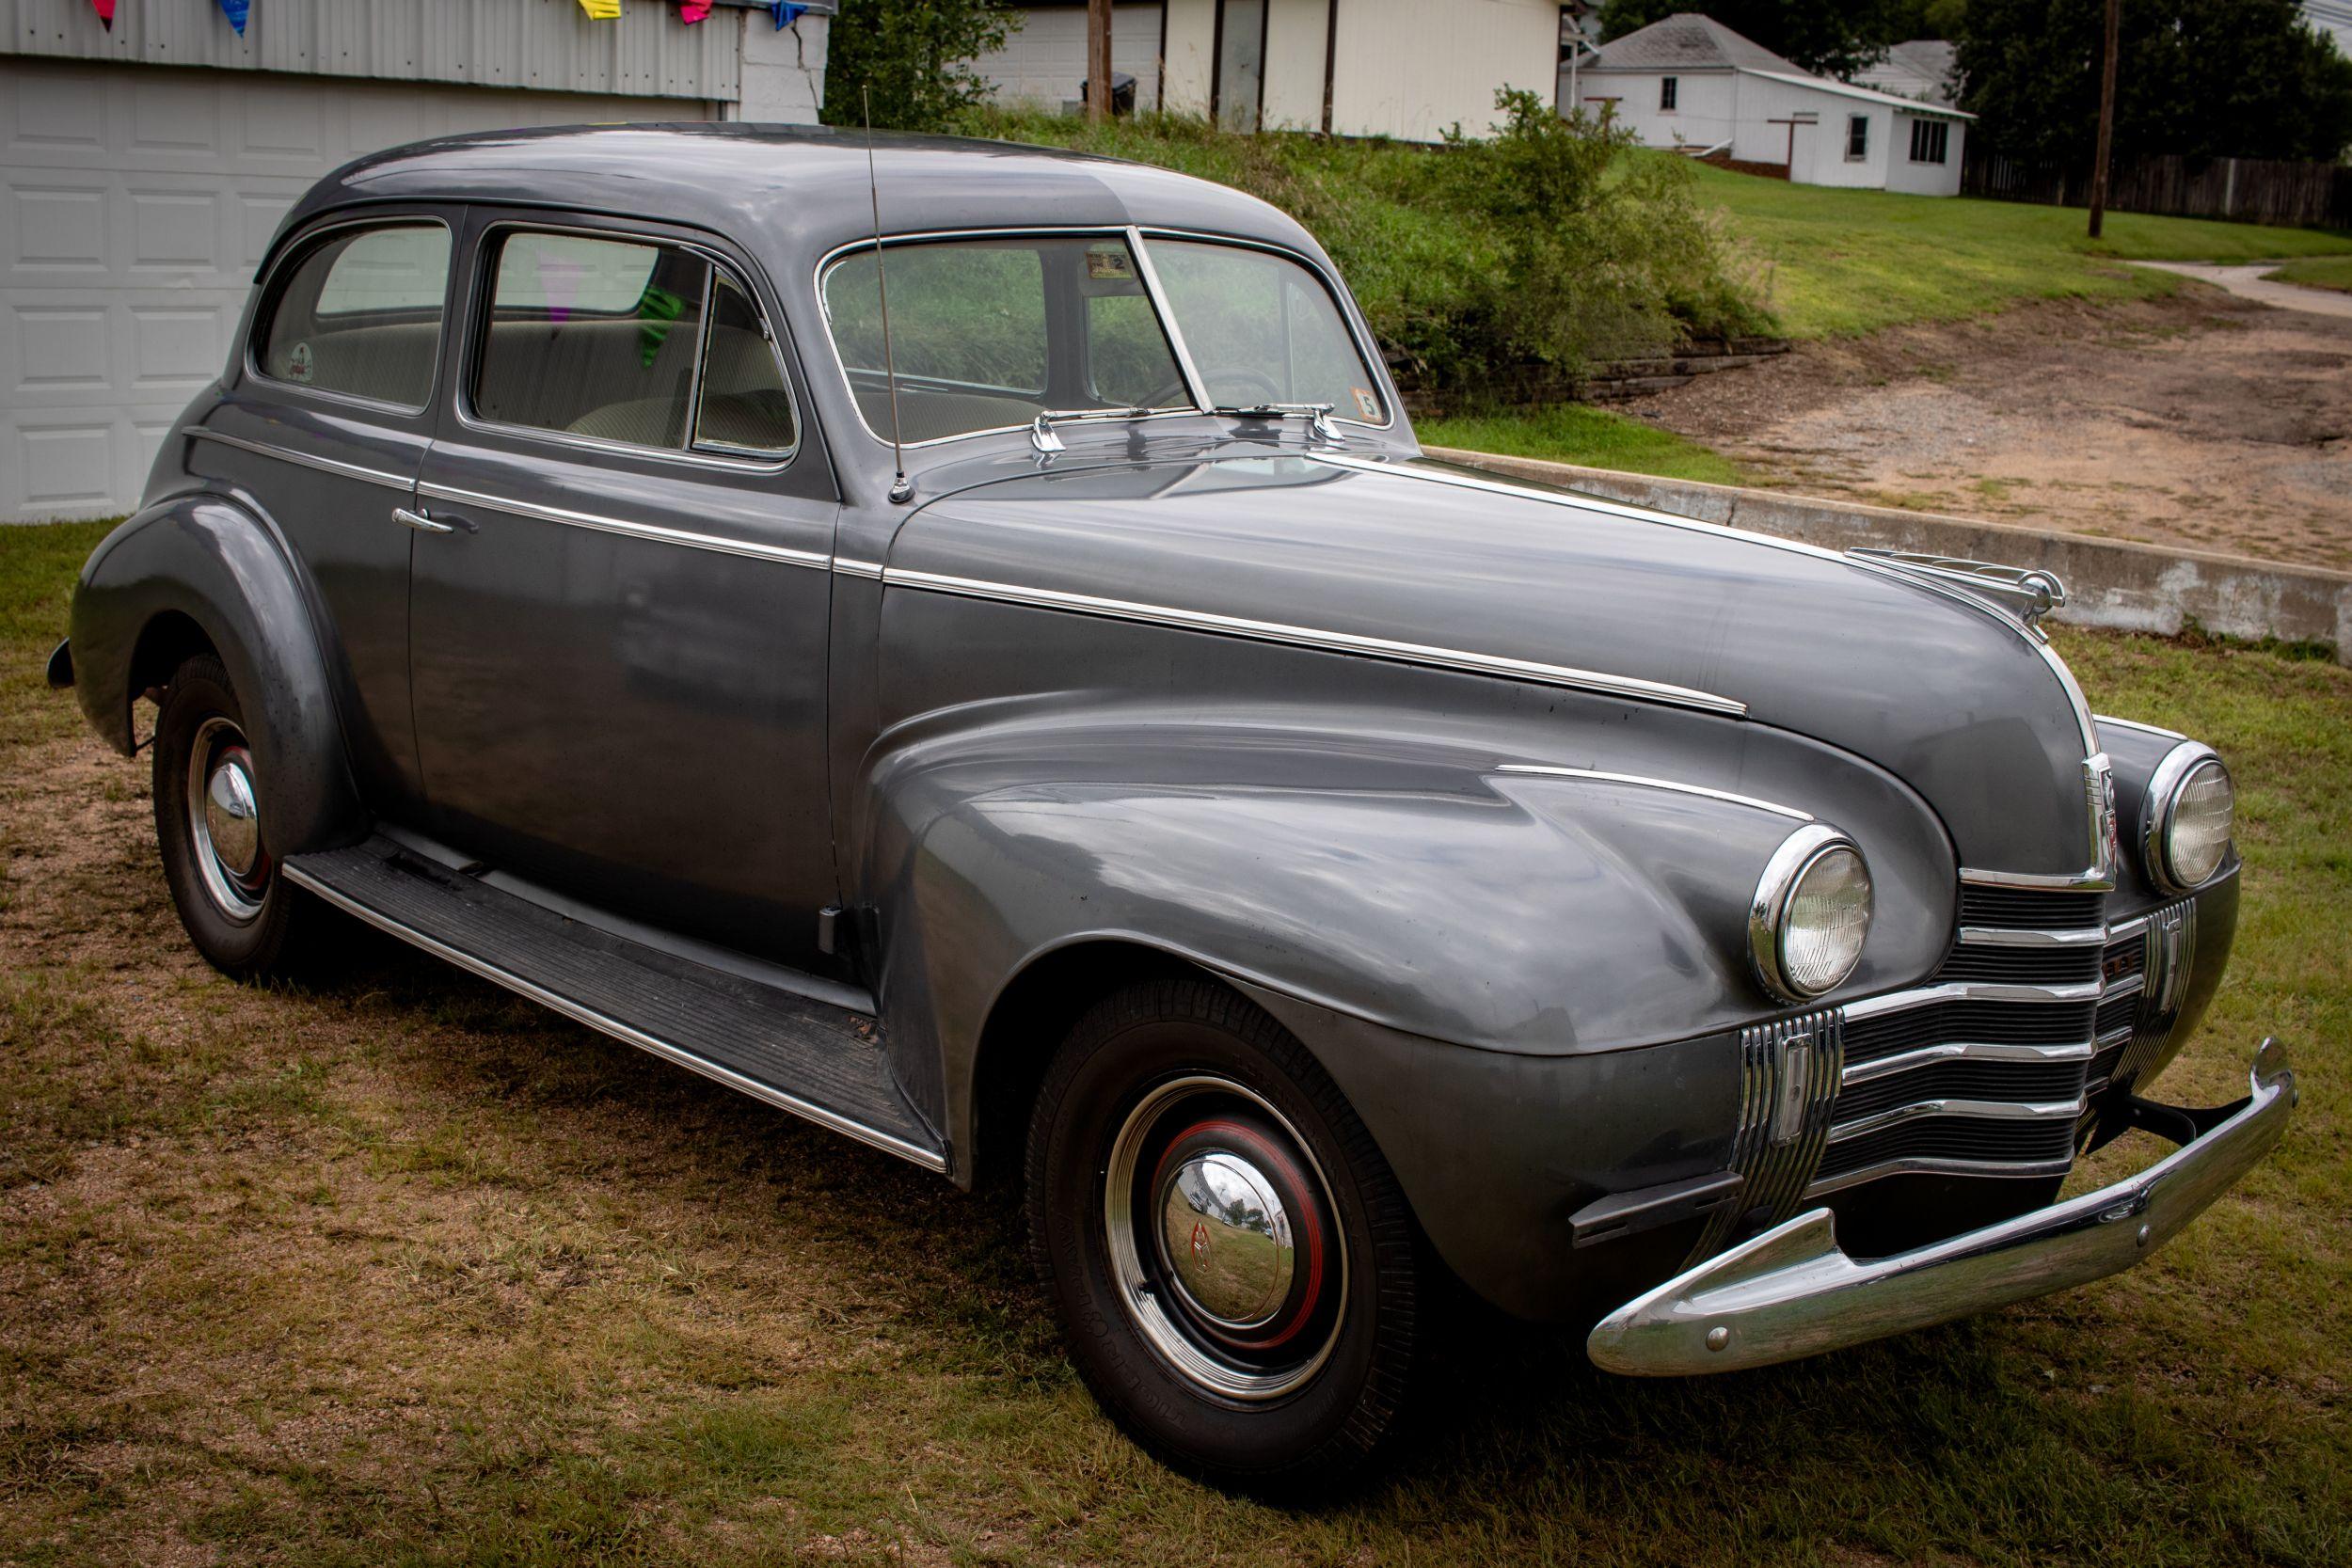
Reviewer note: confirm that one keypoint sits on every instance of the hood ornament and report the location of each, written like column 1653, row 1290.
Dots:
column 2029, row 593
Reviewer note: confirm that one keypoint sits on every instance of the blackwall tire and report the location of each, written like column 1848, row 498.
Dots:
column 208, row 798
column 1236, row 1272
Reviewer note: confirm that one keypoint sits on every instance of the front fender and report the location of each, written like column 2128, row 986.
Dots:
column 209, row 560
column 1405, row 883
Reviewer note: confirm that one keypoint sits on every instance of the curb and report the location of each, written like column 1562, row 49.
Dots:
column 2114, row 583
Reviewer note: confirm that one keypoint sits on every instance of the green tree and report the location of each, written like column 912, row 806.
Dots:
column 1835, row 37
column 2201, row 78
column 913, row 56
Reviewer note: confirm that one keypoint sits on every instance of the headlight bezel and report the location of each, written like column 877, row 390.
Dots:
column 1801, row 853
column 2167, row 786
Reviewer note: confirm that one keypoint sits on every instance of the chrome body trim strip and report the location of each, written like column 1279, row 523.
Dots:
column 1793, row 1291
column 1963, row 1050
column 1629, row 687
column 846, row 567
column 301, row 459
column 2105, row 719
column 782, row 1100
column 2093, row 880
column 1979, row 1110
column 1598, row 776
column 2004, row 936
column 815, row 558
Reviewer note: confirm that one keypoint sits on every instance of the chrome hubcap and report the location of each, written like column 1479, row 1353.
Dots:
column 1227, row 1238
column 225, row 821
column 1222, row 1240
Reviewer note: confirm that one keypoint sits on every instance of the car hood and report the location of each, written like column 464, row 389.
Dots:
column 1951, row 694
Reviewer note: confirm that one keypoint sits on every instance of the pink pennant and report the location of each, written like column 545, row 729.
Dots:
column 691, row 11
column 105, row 9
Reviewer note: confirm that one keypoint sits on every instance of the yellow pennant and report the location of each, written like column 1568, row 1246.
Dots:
column 601, row 11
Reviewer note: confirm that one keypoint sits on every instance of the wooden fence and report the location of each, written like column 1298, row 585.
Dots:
column 2248, row 190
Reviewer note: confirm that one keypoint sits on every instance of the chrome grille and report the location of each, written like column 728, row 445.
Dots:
column 1989, row 1067
column 1790, row 1072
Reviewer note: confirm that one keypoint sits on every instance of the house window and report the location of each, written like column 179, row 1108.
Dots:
column 1857, row 137
column 1930, row 140
column 1666, row 94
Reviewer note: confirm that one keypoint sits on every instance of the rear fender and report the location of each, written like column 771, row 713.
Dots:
column 221, row 568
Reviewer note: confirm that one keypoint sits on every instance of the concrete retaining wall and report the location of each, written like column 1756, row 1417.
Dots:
column 2109, row 582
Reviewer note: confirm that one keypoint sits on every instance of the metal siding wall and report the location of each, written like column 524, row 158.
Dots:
column 547, row 44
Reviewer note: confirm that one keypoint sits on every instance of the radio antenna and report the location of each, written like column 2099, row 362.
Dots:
column 902, row 488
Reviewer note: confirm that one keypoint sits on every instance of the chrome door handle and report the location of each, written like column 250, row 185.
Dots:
column 419, row 521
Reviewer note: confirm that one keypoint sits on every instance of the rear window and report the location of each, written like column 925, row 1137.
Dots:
column 633, row 341
column 360, row 314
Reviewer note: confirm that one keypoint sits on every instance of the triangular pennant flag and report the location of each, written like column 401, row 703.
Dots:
column 235, row 12
column 105, row 9
column 786, row 13
column 601, row 11
column 691, row 11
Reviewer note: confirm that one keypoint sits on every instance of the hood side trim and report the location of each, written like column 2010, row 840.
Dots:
column 1459, row 660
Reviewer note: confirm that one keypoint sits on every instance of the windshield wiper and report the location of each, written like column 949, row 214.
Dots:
column 1041, row 434
column 1317, row 414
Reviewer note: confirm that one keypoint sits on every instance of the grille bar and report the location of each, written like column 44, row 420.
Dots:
column 1789, row 1074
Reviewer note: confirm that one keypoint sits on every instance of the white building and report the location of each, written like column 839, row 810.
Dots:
column 1690, row 83
column 143, row 171
column 1409, row 69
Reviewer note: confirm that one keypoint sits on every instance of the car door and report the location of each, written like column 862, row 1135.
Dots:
column 618, row 622
column 326, row 423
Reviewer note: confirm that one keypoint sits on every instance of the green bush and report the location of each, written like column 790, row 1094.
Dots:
column 1533, row 251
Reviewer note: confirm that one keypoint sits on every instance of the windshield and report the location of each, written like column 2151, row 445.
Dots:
column 989, row 334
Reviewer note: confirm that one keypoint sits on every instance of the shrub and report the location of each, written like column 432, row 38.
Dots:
column 1484, row 262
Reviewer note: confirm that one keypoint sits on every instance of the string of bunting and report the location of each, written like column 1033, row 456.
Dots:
column 688, row 11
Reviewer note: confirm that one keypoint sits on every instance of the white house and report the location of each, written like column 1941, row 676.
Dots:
column 144, row 168
column 1690, row 83
column 1409, row 69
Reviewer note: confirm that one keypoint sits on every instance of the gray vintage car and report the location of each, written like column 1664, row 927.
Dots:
column 966, row 649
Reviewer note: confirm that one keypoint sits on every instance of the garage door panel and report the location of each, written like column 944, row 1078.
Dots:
column 52, row 350
column 136, row 205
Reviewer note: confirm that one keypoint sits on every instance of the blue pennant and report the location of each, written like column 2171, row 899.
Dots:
column 235, row 12
column 786, row 13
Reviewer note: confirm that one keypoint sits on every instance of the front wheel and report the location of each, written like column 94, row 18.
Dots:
column 1231, row 1260
column 242, row 914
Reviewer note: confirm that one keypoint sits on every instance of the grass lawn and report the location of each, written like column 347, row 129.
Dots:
column 1572, row 432
column 2319, row 272
column 396, row 1269
column 1843, row 261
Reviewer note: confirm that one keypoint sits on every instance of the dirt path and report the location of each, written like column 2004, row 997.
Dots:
column 2203, row 419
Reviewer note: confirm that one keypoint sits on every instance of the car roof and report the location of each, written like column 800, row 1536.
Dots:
column 795, row 192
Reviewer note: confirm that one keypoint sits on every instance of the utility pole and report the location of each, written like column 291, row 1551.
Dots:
column 2107, row 118
column 1098, row 61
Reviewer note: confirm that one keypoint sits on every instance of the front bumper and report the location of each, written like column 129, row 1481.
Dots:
column 1792, row 1293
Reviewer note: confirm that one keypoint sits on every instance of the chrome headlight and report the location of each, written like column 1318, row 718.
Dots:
column 1810, row 913
column 2190, row 814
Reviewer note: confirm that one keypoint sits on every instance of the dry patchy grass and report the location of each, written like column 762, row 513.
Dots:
column 392, row 1268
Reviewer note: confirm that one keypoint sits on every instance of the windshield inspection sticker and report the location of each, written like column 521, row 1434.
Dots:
column 1366, row 404
column 1106, row 265
column 298, row 361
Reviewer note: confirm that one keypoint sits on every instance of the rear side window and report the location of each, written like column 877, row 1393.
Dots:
column 629, row 341
column 359, row 314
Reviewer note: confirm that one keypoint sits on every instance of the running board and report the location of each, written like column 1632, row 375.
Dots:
column 796, row 1053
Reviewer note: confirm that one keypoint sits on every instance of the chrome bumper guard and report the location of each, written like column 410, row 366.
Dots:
column 1792, row 1293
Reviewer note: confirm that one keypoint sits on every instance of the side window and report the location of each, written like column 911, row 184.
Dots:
column 629, row 341
column 360, row 314
column 1857, row 137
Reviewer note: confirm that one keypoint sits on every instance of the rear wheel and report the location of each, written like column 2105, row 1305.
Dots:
column 209, row 802
column 1230, row 1258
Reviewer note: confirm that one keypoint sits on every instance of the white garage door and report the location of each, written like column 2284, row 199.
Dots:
column 134, row 203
